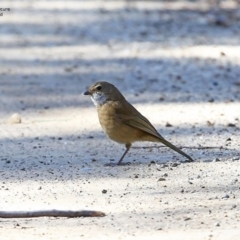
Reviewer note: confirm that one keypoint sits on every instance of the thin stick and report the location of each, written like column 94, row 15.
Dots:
column 205, row 147
column 50, row 213
column 200, row 147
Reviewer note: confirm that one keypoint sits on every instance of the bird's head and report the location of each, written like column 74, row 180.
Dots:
column 101, row 92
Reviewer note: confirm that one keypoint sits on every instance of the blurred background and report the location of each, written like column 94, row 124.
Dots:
column 177, row 51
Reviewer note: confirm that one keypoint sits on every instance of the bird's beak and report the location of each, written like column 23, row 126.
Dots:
column 87, row 93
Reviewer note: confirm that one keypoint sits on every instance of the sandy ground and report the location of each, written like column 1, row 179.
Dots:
column 176, row 63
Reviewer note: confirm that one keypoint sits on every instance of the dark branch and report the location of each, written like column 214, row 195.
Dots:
column 50, row 213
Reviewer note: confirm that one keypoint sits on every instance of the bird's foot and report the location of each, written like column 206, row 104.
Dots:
column 187, row 161
column 117, row 164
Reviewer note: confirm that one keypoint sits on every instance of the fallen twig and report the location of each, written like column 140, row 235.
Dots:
column 204, row 147
column 200, row 147
column 50, row 213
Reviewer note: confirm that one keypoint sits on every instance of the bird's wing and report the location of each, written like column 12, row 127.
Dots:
column 130, row 116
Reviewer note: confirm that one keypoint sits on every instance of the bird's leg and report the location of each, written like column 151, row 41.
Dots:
column 128, row 146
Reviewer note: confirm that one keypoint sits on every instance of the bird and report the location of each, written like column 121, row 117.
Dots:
column 123, row 123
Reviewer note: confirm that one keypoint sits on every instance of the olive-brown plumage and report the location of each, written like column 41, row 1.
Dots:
column 121, row 121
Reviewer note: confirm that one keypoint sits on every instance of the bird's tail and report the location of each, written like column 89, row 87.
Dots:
column 170, row 145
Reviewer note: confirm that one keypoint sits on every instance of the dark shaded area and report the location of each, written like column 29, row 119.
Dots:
column 55, row 154
column 219, row 83
column 101, row 26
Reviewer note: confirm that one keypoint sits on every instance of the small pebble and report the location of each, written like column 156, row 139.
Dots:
column 233, row 206
column 15, row 119
column 235, row 180
column 175, row 164
column 217, row 224
column 151, row 162
column 226, row 196
column 231, row 125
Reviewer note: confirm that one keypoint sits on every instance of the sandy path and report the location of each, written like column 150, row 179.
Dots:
column 174, row 64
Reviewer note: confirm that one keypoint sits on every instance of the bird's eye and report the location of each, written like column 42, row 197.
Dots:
column 99, row 88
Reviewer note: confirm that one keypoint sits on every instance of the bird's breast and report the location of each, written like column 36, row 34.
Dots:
column 113, row 126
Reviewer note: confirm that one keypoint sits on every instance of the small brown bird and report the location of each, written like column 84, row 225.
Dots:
column 121, row 121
